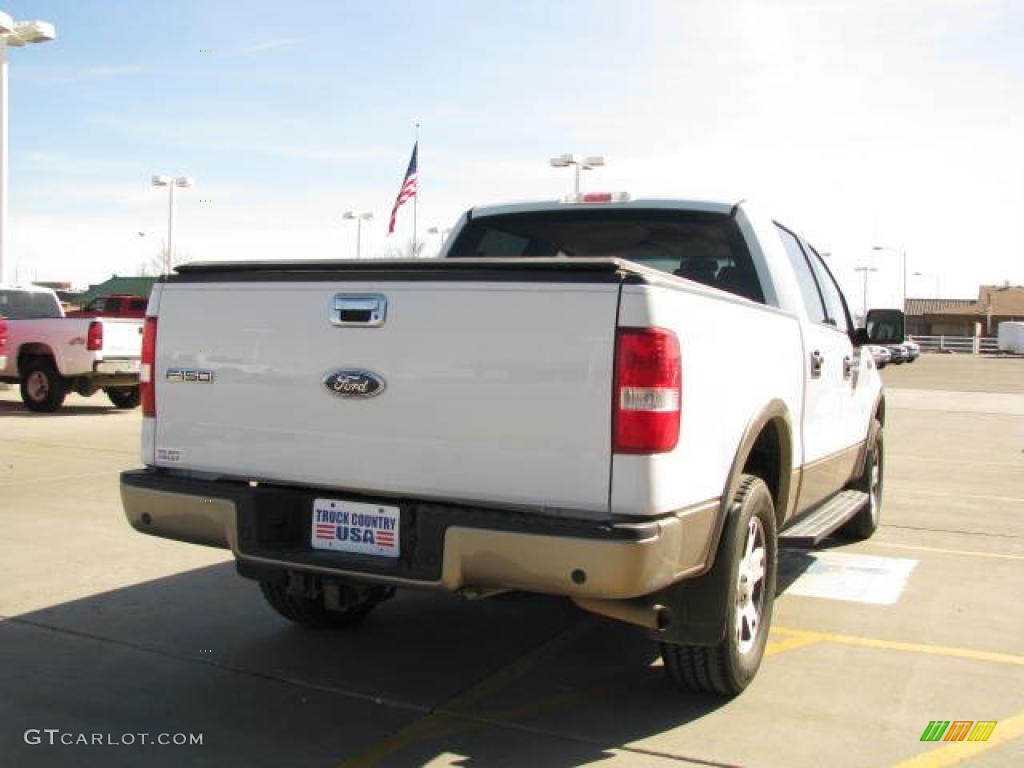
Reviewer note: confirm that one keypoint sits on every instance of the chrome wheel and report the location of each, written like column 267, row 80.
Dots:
column 875, row 488
column 38, row 386
column 750, row 588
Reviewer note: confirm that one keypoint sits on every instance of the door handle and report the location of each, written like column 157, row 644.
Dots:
column 816, row 362
column 847, row 367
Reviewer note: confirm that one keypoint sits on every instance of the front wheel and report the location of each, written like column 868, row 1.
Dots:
column 43, row 389
column 862, row 525
column 124, row 397
column 750, row 546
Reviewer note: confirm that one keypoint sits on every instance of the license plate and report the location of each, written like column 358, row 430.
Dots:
column 352, row 526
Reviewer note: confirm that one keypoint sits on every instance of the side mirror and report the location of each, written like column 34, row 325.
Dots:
column 883, row 326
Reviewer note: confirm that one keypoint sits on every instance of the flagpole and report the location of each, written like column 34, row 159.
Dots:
column 415, row 200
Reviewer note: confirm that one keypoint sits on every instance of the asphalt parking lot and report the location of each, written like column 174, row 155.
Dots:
column 103, row 630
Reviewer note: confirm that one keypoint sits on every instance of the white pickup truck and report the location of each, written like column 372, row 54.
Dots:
column 628, row 403
column 50, row 355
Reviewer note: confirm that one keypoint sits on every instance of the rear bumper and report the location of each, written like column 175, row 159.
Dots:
column 445, row 546
column 115, row 367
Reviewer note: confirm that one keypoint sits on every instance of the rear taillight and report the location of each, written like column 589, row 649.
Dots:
column 94, row 339
column 648, row 391
column 3, row 334
column 147, row 370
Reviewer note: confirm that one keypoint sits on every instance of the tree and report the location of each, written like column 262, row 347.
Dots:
column 156, row 264
column 406, row 250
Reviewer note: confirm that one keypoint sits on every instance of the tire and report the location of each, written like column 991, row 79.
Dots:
column 42, row 389
column 727, row 668
column 862, row 525
column 310, row 612
column 124, row 397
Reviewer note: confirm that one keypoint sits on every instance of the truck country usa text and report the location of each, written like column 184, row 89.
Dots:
column 355, row 527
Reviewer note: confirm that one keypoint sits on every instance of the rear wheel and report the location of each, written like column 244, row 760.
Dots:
column 43, row 389
column 750, row 546
column 124, row 397
column 865, row 523
column 311, row 612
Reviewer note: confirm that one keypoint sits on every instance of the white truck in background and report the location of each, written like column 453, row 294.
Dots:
column 1011, row 337
column 50, row 355
column 626, row 402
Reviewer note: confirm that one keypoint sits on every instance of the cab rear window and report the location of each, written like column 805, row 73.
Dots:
column 28, row 305
column 705, row 247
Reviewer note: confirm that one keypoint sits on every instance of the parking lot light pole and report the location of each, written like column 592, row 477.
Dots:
column 581, row 164
column 904, row 254
column 182, row 182
column 865, row 270
column 930, row 274
column 13, row 34
column 442, row 232
column 359, row 219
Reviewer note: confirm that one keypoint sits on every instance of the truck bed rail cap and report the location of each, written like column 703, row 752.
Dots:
column 523, row 269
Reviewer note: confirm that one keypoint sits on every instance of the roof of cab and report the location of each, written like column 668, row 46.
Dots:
column 707, row 206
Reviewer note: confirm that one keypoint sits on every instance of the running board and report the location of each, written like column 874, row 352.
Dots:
column 815, row 526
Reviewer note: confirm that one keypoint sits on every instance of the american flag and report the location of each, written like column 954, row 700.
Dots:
column 325, row 531
column 386, row 538
column 408, row 190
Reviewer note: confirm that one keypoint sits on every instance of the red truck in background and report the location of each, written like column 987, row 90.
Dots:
column 3, row 341
column 115, row 305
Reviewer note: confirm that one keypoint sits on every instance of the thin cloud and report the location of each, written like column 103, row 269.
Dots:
column 74, row 76
column 278, row 42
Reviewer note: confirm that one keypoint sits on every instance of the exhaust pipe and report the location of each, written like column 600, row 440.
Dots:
column 656, row 617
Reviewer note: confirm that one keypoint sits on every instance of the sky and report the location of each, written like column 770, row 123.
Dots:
column 856, row 122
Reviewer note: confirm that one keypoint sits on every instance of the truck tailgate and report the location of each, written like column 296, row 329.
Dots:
column 495, row 392
column 122, row 338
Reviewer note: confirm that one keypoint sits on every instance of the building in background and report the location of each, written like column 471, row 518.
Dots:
column 966, row 317
column 117, row 286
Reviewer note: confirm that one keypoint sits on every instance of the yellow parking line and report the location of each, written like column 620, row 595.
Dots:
column 966, row 462
column 896, row 645
column 965, row 552
column 790, row 643
column 440, row 723
column 955, row 752
column 446, row 721
column 919, row 491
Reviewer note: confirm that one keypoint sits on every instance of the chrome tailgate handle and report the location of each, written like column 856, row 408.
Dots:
column 359, row 310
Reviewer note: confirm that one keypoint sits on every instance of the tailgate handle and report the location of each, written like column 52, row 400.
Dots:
column 359, row 310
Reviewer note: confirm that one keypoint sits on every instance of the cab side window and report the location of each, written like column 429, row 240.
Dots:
column 805, row 277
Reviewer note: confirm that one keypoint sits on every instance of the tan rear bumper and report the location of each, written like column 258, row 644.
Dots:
column 474, row 558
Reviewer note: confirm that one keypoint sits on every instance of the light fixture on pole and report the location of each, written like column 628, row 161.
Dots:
column 442, row 231
column 13, row 34
column 581, row 164
column 181, row 182
column 359, row 219
column 865, row 270
column 930, row 274
column 903, row 252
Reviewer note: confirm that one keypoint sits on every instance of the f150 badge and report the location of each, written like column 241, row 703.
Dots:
column 354, row 382
column 190, row 375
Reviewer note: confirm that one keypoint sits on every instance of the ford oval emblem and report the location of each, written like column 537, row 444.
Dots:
column 354, row 382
